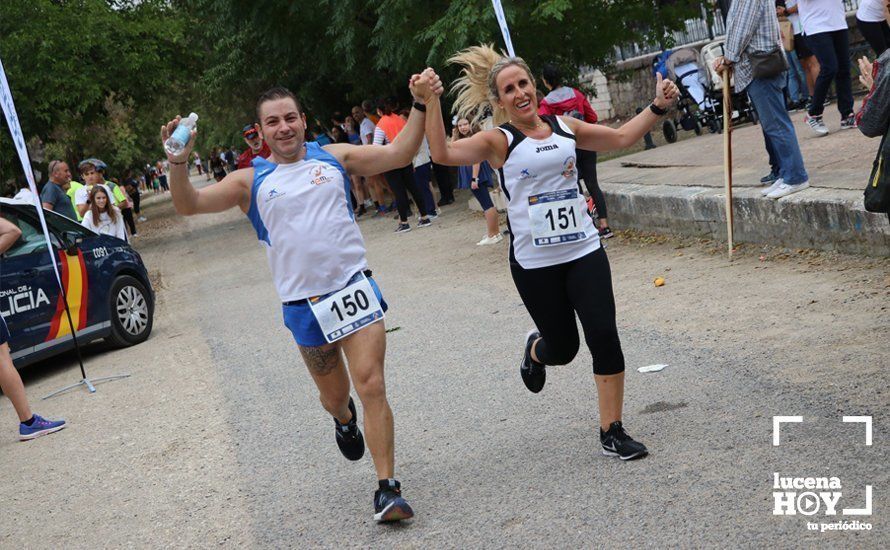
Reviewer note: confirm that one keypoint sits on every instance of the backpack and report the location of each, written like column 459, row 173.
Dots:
column 877, row 192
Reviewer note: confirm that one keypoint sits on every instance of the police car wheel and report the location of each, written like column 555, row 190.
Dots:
column 130, row 310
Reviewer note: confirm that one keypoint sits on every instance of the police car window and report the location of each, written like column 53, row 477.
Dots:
column 31, row 240
column 60, row 224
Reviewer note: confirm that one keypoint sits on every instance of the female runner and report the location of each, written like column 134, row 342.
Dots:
column 556, row 260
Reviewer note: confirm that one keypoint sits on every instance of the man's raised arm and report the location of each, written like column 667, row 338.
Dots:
column 232, row 191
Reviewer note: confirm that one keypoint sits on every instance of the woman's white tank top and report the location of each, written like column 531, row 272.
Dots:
column 546, row 212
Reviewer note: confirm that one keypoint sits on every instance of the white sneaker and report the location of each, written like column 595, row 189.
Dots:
column 486, row 240
column 767, row 190
column 816, row 124
column 141, row 219
column 784, row 190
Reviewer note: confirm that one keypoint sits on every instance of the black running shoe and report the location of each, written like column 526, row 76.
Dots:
column 424, row 223
column 534, row 374
column 616, row 442
column 403, row 228
column 389, row 504
column 349, row 437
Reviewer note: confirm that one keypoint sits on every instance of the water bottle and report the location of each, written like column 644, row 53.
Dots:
column 181, row 135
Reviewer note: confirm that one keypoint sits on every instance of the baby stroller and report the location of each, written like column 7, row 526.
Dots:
column 695, row 107
column 743, row 109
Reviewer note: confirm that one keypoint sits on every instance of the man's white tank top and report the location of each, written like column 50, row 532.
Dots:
column 303, row 216
column 537, row 170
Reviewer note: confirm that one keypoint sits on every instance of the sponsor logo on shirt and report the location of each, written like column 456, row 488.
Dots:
column 318, row 178
column 568, row 168
column 550, row 147
column 273, row 194
column 524, row 174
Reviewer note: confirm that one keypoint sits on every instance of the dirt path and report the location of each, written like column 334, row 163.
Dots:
column 218, row 438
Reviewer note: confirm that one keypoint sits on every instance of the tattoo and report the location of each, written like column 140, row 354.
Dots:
column 321, row 360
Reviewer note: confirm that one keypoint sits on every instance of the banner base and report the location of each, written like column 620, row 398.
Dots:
column 88, row 383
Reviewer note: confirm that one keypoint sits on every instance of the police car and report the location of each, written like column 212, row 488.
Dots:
column 109, row 294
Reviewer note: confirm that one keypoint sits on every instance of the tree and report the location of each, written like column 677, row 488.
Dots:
column 95, row 82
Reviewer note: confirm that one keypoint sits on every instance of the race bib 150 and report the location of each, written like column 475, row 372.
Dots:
column 345, row 311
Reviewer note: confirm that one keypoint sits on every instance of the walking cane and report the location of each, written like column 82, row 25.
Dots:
column 727, row 156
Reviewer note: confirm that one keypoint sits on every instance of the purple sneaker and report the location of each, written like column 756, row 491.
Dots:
column 40, row 426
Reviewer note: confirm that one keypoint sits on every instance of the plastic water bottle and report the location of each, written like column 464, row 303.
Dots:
column 181, row 135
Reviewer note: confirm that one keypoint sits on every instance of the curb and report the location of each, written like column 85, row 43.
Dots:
column 824, row 219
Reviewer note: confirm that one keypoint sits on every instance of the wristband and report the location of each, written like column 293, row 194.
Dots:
column 420, row 106
column 657, row 110
column 475, row 180
column 178, row 163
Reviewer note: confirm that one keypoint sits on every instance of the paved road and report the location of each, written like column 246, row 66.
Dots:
column 219, row 439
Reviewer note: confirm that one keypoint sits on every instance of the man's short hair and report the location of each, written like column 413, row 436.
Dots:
column 550, row 72
column 53, row 164
column 86, row 167
column 272, row 94
column 368, row 106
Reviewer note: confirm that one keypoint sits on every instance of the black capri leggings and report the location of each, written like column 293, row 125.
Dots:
column 400, row 180
column 587, row 172
column 552, row 295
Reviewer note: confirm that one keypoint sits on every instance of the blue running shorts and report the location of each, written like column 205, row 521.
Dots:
column 302, row 324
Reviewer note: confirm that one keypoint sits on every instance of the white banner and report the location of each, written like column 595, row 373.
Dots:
column 502, row 22
column 18, row 138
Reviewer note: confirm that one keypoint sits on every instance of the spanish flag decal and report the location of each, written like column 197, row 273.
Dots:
column 74, row 279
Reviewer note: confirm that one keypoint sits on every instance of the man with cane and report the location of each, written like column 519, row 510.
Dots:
column 754, row 52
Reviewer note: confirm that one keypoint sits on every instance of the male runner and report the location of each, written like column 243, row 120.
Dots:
column 330, row 301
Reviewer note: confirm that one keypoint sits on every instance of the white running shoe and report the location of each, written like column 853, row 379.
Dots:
column 767, row 190
column 816, row 124
column 784, row 190
column 486, row 240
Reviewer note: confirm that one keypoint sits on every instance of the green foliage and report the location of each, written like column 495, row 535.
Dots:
column 85, row 75
column 98, row 77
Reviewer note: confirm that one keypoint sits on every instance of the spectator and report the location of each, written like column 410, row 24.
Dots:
column 566, row 101
column 874, row 116
column 478, row 179
column 401, row 180
column 872, row 20
column 338, row 135
column 367, row 123
column 31, row 425
column 808, row 62
column 350, row 126
column 24, row 193
column 256, row 146
column 161, row 172
column 54, row 195
column 91, row 177
column 423, row 171
column 198, row 165
column 825, row 24
column 103, row 217
column 752, row 26
column 131, row 186
column 230, row 158
column 217, row 164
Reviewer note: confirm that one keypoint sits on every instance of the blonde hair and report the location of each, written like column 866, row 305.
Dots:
column 477, row 84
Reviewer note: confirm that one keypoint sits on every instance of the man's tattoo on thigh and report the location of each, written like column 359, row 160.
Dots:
column 321, row 360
